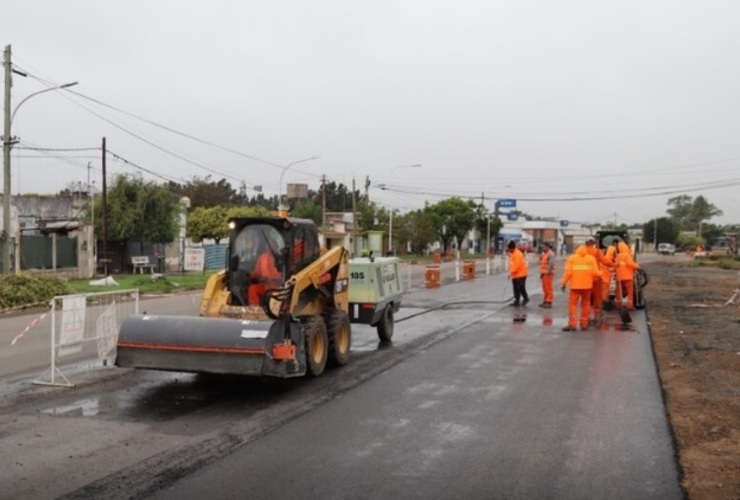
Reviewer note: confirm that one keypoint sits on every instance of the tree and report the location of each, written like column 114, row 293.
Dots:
column 416, row 228
column 482, row 219
column 691, row 213
column 680, row 207
column 667, row 230
column 702, row 210
column 207, row 193
column 138, row 211
column 208, row 222
column 452, row 219
column 308, row 210
column 213, row 222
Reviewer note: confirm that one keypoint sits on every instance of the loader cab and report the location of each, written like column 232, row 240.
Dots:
column 288, row 244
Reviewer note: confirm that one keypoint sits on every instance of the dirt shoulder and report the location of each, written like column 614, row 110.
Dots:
column 696, row 339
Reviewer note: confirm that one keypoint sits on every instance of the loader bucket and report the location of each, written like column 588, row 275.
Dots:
column 207, row 345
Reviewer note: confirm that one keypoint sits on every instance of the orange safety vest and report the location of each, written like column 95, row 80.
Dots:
column 545, row 261
column 580, row 270
column 624, row 264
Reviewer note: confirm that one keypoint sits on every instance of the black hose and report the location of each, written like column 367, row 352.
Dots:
column 641, row 278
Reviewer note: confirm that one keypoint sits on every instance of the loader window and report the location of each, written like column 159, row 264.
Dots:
column 250, row 277
column 305, row 249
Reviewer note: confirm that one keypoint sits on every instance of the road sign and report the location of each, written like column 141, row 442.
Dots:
column 564, row 223
column 506, row 203
column 512, row 216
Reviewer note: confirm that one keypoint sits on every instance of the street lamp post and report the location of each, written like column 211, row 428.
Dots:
column 284, row 207
column 390, row 219
column 7, row 145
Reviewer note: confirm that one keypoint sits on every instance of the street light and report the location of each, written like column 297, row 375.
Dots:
column 390, row 221
column 7, row 145
column 282, row 207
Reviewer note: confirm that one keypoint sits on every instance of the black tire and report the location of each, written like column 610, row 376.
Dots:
column 385, row 325
column 339, row 330
column 317, row 345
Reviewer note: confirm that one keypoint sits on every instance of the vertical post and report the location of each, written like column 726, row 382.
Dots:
column 7, row 142
column 390, row 233
column 655, row 234
column 323, row 206
column 53, row 340
column 354, row 220
column 488, row 246
column 105, row 213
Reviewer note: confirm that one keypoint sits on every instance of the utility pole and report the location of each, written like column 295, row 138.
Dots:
column 7, row 142
column 354, row 220
column 105, row 214
column 323, row 205
column 655, row 233
column 367, row 187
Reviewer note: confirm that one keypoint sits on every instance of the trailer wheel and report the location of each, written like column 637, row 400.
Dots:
column 385, row 325
column 340, row 336
column 317, row 346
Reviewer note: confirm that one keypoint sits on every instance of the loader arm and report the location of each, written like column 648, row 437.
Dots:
column 322, row 285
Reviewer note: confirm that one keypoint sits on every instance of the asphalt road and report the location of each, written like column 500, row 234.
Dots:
column 502, row 409
column 466, row 401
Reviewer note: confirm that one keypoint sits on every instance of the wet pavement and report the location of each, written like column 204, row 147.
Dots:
column 501, row 395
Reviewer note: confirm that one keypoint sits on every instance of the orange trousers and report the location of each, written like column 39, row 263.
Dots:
column 628, row 285
column 584, row 296
column 547, row 293
column 596, row 297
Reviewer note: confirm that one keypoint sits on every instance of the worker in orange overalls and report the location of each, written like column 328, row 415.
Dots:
column 547, row 274
column 580, row 271
column 265, row 276
column 518, row 273
column 598, row 285
column 625, row 267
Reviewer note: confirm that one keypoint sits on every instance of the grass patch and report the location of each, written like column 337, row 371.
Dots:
column 729, row 262
column 18, row 290
column 145, row 283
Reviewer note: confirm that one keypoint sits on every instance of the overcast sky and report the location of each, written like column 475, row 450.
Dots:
column 525, row 99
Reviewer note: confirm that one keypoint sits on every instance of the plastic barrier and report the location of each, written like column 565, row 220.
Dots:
column 468, row 269
column 437, row 257
column 432, row 276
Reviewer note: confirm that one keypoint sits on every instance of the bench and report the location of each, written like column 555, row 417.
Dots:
column 141, row 262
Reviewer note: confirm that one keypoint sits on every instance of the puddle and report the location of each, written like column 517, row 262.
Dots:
column 89, row 407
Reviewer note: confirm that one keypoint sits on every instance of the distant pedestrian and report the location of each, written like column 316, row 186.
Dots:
column 580, row 271
column 518, row 274
column 547, row 274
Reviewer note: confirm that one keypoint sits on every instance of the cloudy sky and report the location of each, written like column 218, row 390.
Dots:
column 589, row 110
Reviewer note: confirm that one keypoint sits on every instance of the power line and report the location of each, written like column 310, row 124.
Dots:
column 144, row 169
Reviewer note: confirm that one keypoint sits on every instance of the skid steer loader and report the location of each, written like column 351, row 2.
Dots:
column 280, row 308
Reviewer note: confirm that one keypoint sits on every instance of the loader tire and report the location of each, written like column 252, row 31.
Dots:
column 317, row 346
column 340, row 336
column 385, row 325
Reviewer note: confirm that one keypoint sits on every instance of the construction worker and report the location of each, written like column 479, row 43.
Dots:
column 596, row 291
column 547, row 274
column 580, row 271
column 518, row 275
column 625, row 267
column 265, row 276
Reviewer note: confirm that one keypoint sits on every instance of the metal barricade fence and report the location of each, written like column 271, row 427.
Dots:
column 78, row 321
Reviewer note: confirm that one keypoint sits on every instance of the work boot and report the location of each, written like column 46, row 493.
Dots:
column 569, row 328
column 526, row 301
column 514, row 304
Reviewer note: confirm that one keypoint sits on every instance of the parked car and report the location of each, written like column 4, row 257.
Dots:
column 666, row 249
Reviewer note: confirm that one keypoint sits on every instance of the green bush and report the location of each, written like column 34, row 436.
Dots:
column 24, row 289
